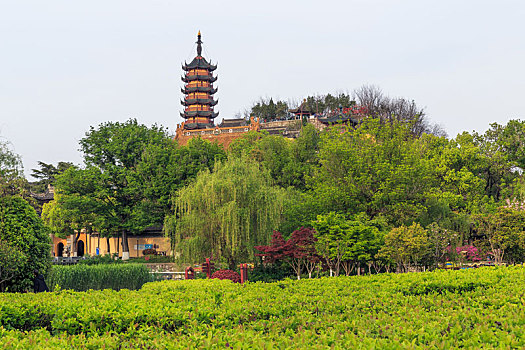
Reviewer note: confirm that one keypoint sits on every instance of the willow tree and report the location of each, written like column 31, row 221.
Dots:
column 225, row 213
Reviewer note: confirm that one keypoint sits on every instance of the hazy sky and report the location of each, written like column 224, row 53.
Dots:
column 67, row 65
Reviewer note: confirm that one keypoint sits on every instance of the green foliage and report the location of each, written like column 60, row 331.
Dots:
column 131, row 172
column 22, row 230
column 373, row 169
column 347, row 243
column 328, row 102
column 405, row 245
column 61, row 217
column 504, row 233
column 271, row 273
column 225, row 213
column 12, row 181
column 269, row 110
column 100, row 260
column 470, row 309
column 47, row 174
column 290, row 162
column 82, row 277
column 12, row 261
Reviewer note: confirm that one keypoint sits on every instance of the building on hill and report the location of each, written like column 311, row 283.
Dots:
column 43, row 198
column 346, row 116
column 302, row 111
column 198, row 89
column 199, row 111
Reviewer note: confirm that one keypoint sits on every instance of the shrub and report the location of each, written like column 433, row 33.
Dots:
column 227, row 275
column 23, row 230
column 100, row 259
column 270, row 272
column 98, row 277
column 149, row 251
column 11, row 261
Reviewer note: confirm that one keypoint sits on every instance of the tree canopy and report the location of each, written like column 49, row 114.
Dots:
column 24, row 241
column 226, row 212
column 130, row 172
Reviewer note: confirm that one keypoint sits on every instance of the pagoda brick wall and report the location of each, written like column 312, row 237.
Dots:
column 223, row 136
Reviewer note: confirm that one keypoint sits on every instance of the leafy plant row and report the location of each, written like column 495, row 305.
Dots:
column 477, row 308
column 98, row 277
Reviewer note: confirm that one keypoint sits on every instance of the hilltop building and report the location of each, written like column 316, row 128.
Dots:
column 198, row 89
column 199, row 110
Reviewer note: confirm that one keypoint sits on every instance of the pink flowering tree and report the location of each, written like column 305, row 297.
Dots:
column 469, row 253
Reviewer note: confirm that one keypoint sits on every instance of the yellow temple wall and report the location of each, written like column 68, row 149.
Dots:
column 92, row 242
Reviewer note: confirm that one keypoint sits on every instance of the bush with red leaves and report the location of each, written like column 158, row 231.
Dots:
column 149, row 251
column 227, row 275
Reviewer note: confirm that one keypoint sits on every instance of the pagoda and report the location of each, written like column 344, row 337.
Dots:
column 198, row 90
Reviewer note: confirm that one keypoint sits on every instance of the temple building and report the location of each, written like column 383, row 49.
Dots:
column 302, row 111
column 199, row 110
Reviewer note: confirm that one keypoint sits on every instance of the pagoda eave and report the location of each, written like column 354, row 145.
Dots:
column 193, row 114
column 207, row 78
column 191, row 89
column 198, row 101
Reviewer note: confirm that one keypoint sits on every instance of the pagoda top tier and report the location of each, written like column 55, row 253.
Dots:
column 199, row 62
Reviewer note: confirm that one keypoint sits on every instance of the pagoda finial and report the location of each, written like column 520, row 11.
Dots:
column 199, row 44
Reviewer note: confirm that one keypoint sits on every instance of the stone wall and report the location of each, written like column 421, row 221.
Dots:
column 223, row 136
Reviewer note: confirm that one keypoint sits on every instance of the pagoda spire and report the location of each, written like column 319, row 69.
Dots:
column 199, row 44
column 198, row 90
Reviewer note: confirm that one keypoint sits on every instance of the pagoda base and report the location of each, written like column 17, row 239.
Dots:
column 222, row 135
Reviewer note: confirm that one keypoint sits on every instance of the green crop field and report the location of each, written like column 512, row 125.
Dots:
column 445, row 309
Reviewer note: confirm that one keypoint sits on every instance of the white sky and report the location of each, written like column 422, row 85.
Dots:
column 67, row 65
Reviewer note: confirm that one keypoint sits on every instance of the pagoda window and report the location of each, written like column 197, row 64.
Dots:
column 198, row 72
column 198, row 108
column 198, row 95
column 196, row 83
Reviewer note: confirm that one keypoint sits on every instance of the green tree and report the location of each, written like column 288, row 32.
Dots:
column 12, row 181
column 130, row 174
column 269, row 110
column 504, row 233
column 164, row 168
column 381, row 171
column 333, row 241
column 12, row 260
column 290, row 162
column 225, row 213
column 510, row 139
column 21, row 229
column 113, row 185
column 68, row 215
column 349, row 244
column 405, row 245
column 47, row 173
column 441, row 241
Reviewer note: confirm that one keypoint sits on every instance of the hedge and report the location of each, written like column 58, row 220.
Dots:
column 98, row 277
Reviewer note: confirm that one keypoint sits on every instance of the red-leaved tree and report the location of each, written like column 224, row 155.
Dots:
column 273, row 252
column 299, row 251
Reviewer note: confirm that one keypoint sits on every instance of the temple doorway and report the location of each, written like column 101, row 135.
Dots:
column 60, row 249
column 80, row 248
